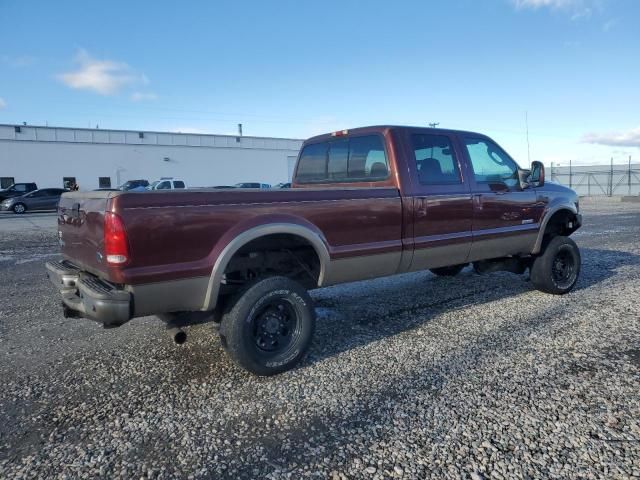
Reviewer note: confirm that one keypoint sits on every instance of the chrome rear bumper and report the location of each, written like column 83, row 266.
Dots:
column 88, row 296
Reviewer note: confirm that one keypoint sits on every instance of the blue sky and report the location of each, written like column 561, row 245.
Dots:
column 294, row 69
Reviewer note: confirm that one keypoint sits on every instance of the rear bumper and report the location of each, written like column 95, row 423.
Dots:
column 90, row 297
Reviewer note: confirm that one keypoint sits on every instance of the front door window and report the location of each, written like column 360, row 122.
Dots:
column 491, row 164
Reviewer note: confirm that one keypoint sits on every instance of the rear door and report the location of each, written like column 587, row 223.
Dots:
column 441, row 204
column 505, row 217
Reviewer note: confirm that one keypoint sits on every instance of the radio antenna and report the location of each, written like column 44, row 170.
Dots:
column 526, row 123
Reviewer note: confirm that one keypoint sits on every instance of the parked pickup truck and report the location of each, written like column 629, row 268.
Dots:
column 364, row 203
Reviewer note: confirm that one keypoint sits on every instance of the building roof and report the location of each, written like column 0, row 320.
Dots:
column 36, row 133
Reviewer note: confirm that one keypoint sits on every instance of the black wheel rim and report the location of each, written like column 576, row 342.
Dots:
column 563, row 269
column 275, row 326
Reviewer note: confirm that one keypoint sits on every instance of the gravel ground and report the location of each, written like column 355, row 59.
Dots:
column 409, row 377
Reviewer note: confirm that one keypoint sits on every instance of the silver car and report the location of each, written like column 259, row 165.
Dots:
column 43, row 199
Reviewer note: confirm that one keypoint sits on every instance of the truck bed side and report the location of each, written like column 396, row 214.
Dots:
column 175, row 238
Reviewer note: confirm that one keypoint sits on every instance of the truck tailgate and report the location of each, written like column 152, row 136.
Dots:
column 80, row 229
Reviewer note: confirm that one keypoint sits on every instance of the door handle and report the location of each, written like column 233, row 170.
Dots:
column 421, row 211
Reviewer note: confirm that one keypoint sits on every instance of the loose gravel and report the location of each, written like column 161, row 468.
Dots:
column 414, row 376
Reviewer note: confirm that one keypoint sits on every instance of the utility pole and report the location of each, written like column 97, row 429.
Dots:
column 629, row 172
column 434, row 124
column 570, row 175
column 611, row 179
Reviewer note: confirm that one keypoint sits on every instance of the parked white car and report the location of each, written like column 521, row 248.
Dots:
column 167, row 183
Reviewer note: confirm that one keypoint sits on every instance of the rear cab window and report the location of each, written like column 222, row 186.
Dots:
column 351, row 159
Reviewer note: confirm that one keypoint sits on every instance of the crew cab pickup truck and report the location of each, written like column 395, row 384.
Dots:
column 364, row 203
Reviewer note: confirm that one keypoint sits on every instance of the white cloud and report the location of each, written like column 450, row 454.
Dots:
column 545, row 3
column 105, row 77
column 578, row 9
column 580, row 14
column 3, row 104
column 143, row 96
column 630, row 138
column 608, row 25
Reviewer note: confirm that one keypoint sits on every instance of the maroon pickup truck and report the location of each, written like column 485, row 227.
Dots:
column 364, row 203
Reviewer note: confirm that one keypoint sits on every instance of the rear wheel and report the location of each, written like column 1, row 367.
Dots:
column 19, row 208
column 450, row 271
column 267, row 329
column 556, row 270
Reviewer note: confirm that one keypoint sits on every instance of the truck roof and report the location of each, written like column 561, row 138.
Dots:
column 382, row 128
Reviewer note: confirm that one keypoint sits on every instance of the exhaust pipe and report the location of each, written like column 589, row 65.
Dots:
column 178, row 335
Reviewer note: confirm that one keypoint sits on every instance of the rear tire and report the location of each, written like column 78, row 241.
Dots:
column 19, row 208
column 450, row 271
column 267, row 328
column 557, row 268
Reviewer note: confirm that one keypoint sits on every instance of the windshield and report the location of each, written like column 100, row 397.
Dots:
column 153, row 185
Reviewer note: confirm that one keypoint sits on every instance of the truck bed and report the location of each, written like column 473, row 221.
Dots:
column 178, row 234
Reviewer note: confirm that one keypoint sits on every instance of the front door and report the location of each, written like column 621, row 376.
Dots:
column 505, row 216
column 441, row 201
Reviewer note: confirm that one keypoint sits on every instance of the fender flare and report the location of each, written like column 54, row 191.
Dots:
column 551, row 211
column 227, row 253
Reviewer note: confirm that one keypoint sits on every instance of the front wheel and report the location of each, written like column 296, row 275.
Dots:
column 556, row 270
column 267, row 329
column 19, row 208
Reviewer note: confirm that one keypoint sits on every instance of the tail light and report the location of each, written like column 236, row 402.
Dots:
column 116, row 245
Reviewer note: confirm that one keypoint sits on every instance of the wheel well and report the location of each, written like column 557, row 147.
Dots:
column 288, row 255
column 562, row 222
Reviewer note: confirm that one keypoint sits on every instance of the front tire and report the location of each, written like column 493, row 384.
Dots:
column 450, row 271
column 556, row 270
column 267, row 329
column 19, row 208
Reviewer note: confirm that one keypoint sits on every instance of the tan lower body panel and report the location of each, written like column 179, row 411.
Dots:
column 362, row 268
column 172, row 296
column 520, row 243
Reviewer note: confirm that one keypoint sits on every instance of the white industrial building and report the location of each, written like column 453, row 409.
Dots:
column 107, row 158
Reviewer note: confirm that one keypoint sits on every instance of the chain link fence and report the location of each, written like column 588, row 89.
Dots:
column 599, row 180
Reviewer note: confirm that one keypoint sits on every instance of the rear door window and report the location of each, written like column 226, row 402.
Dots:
column 178, row 184
column 435, row 161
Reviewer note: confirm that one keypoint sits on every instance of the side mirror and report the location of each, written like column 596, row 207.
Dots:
column 536, row 177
